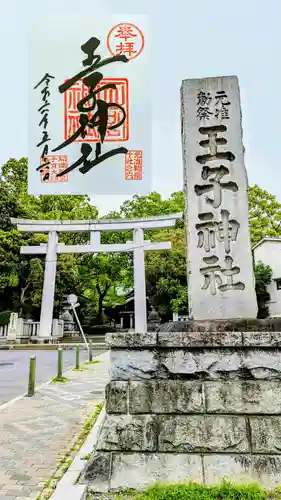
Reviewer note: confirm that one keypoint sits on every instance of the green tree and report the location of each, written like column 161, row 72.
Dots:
column 263, row 277
column 166, row 279
column 100, row 275
column 96, row 279
column 67, row 279
column 152, row 205
column 166, row 274
column 264, row 214
column 21, row 278
column 14, row 202
column 31, row 291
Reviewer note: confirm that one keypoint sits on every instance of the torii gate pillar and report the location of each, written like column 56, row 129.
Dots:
column 139, row 282
column 47, row 306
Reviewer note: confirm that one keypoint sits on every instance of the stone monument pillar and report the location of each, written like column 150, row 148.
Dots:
column 199, row 400
column 220, row 270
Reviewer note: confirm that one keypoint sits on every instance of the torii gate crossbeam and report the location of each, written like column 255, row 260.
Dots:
column 138, row 246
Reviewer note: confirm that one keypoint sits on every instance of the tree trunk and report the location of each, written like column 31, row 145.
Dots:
column 100, row 316
column 100, row 311
column 22, row 298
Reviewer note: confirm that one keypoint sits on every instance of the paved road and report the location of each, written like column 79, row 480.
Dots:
column 35, row 433
column 14, row 369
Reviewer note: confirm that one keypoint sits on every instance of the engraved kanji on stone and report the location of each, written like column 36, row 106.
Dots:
column 203, row 105
column 222, row 113
column 203, row 113
column 215, row 175
column 210, row 231
column 213, row 279
column 222, row 98
column 222, row 105
column 203, row 98
column 212, row 143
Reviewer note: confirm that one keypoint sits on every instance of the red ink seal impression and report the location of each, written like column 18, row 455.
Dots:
column 125, row 39
column 133, row 165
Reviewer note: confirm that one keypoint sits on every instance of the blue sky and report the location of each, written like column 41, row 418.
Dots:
column 190, row 40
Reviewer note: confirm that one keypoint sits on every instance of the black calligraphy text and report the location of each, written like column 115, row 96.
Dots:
column 44, row 120
column 91, row 104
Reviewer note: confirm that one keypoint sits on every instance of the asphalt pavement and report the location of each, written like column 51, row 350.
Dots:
column 14, row 366
column 37, row 432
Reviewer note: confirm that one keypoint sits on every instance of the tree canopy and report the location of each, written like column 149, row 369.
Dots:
column 263, row 276
column 98, row 279
column 264, row 214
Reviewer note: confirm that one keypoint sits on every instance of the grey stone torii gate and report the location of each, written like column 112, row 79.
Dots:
column 138, row 246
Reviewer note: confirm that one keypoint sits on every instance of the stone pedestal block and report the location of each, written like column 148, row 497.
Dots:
column 191, row 405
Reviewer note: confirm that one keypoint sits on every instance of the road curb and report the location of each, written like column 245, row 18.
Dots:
column 47, row 347
column 21, row 396
column 66, row 487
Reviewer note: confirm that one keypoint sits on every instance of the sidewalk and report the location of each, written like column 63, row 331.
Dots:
column 36, row 432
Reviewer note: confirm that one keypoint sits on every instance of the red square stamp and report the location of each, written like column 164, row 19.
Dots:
column 58, row 163
column 133, row 165
column 119, row 95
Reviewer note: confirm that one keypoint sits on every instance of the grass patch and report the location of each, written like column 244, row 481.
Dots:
column 85, row 366
column 194, row 491
column 67, row 459
column 61, row 380
column 224, row 491
column 33, row 347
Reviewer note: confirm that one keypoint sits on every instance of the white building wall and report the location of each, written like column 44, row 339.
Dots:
column 269, row 252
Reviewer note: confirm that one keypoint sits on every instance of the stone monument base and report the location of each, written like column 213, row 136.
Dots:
column 190, row 406
column 226, row 325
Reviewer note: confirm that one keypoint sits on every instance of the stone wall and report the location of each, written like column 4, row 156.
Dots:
column 190, row 406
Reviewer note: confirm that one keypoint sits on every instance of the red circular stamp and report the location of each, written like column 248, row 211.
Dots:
column 125, row 39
